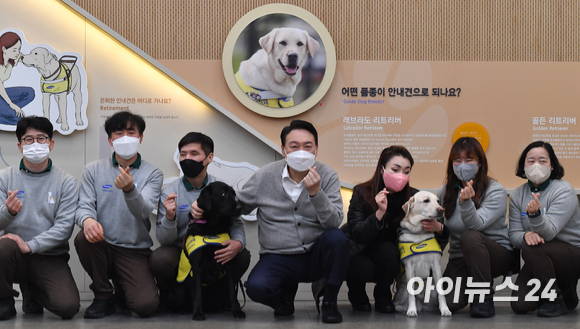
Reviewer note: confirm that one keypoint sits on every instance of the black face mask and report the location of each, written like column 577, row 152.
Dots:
column 191, row 168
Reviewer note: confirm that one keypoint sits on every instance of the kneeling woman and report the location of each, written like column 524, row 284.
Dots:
column 475, row 208
column 375, row 211
column 544, row 223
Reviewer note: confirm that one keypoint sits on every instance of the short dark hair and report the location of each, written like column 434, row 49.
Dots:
column 194, row 137
column 34, row 122
column 558, row 170
column 299, row 124
column 123, row 120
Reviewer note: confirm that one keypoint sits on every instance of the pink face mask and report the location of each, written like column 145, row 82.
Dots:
column 395, row 182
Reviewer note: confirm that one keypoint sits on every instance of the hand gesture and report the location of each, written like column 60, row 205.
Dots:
column 196, row 212
column 232, row 248
column 17, row 109
column 12, row 203
column 23, row 246
column 124, row 181
column 382, row 203
column 431, row 225
column 467, row 192
column 534, row 206
column 170, row 206
column 533, row 238
column 312, row 181
column 93, row 231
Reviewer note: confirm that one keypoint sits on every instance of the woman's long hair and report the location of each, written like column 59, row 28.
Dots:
column 8, row 40
column 372, row 187
column 471, row 147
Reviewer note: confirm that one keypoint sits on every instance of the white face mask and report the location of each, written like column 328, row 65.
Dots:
column 537, row 173
column 300, row 160
column 35, row 153
column 126, row 147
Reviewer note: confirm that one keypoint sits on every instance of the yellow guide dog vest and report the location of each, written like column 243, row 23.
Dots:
column 408, row 249
column 193, row 243
column 60, row 84
column 265, row 97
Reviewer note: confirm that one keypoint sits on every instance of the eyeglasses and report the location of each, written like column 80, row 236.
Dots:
column 40, row 139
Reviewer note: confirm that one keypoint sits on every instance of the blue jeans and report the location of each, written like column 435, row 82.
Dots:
column 275, row 275
column 20, row 96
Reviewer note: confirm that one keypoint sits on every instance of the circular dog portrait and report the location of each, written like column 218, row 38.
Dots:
column 279, row 60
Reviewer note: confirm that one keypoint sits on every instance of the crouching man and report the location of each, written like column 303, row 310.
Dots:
column 37, row 208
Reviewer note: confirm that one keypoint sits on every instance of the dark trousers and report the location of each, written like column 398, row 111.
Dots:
column 550, row 260
column 276, row 277
column 378, row 263
column 49, row 278
column 165, row 262
column 129, row 268
column 483, row 259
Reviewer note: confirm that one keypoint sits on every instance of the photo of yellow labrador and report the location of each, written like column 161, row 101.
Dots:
column 58, row 78
column 420, row 254
column 271, row 74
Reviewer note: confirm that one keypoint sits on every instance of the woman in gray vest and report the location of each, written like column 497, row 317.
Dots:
column 544, row 221
column 475, row 208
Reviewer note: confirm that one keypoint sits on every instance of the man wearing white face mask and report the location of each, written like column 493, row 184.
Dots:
column 299, row 211
column 116, row 197
column 37, row 206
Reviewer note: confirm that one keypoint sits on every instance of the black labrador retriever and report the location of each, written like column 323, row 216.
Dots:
column 204, row 237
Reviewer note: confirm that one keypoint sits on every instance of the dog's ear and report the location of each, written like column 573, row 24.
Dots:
column 313, row 46
column 407, row 206
column 204, row 200
column 48, row 56
column 267, row 41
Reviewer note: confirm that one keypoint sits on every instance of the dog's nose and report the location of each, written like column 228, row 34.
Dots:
column 292, row 57
column 440, row 210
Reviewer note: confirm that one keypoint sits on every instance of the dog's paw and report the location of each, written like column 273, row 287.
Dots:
column 411, row 313
column 239, row 314
column 198, row 316
column 79, row 122
column 445, row 312
column 64, row 127
column 58, row 120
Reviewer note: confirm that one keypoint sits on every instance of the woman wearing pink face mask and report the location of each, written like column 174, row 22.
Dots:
column 373, row 220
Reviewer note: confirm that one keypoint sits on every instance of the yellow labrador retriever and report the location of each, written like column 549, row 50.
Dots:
column 420, row 252
column 58, row 78
column 275, row 70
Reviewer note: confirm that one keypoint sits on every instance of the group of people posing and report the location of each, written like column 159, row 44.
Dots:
column 299, row 216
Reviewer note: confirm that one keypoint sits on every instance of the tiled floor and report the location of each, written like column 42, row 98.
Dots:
column 261, row 317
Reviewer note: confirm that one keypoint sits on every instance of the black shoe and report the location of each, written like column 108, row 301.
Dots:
column 569, row 294
column 29, row 304
column 482, row 310
column 7, row 309
column 385, row 307
column 550, row 309
column 362, row 307
column 285, row 309
column 100, row 308
column 330, row 313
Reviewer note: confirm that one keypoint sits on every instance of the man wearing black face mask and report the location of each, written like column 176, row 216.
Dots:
column 195, row 154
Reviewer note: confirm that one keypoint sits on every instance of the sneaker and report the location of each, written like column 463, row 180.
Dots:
column 7, row 309
column 550, row 309
column 100, row 308
column 482, row 310
column 569, row 294
column 330, row 313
